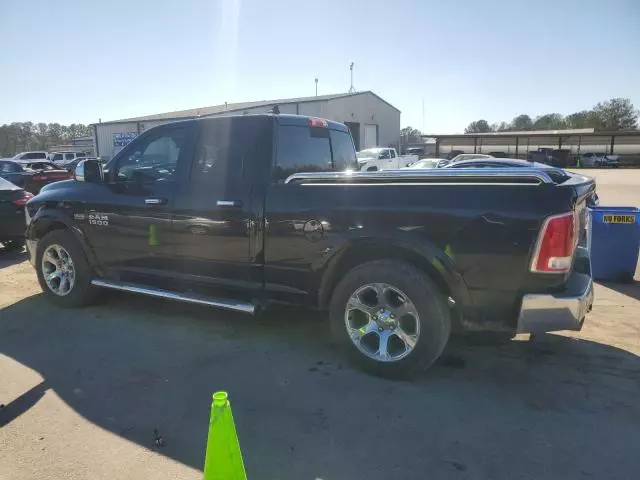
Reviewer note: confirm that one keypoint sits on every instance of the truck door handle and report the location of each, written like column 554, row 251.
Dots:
column 229, row 203
column 155, row 201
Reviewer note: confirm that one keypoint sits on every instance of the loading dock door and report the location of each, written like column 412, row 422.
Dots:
column 370, row 136
column 354, row 128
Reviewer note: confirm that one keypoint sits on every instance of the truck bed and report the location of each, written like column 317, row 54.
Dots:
column 478, row 227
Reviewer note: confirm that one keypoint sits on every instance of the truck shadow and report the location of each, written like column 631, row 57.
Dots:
column 10, row 257
column 133, row 365
column 629, row 289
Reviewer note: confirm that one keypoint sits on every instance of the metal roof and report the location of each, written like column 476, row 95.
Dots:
column 588, row 132
column 238, row 107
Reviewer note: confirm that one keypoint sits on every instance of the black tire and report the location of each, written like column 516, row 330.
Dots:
column 82, row 293
column 372, row 169
column 430, row 303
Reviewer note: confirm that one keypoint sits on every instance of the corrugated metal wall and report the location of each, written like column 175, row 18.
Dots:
column 105, row 147
column 365, row 109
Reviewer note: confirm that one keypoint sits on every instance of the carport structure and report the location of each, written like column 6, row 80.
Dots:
column 517, row 144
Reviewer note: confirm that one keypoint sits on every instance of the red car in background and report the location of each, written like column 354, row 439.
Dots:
column 32, row 175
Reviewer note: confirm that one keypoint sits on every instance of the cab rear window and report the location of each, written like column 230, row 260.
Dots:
column 312, row 149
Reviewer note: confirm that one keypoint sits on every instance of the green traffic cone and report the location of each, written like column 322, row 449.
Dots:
column 153, row 239
column 223, row 460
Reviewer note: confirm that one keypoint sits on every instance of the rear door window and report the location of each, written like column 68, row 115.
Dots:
column 69, row 156
column 229, row 152
column 302, row 149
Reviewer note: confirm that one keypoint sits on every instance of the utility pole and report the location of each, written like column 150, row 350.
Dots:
column 316, row 86
column 351, row 89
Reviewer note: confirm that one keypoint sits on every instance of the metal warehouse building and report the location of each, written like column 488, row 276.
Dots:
column 371, row 120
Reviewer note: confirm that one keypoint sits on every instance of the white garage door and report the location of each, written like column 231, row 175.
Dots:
column 370, row 136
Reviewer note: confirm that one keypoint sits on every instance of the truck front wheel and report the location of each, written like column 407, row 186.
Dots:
column 390, row 318
column 63, row 271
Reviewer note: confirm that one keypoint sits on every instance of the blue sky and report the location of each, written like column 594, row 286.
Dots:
column 77, row 60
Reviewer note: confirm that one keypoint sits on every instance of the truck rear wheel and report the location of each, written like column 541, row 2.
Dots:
column 390, row 318
column 63, row 271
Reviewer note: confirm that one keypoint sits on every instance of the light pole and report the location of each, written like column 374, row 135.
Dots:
column 351, row 89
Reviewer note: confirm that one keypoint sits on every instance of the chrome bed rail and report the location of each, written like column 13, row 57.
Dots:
column 459, row 176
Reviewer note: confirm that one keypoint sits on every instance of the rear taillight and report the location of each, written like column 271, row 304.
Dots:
column 556, row 244
column 20, row 202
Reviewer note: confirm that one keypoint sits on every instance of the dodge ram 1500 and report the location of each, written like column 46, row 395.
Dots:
column 242, row 212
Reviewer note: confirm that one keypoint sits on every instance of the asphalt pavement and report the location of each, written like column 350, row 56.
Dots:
column 83, row 391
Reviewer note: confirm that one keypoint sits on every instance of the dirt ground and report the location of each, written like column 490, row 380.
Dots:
column 82, row 392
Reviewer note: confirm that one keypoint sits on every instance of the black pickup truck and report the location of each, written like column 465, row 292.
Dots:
column 244, row 212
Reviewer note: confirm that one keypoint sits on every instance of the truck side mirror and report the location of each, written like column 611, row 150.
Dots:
column 89, row 171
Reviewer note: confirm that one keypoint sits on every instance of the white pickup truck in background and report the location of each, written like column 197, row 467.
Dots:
column 383, row 158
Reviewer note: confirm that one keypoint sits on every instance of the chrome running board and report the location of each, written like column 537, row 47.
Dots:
column 225, row 303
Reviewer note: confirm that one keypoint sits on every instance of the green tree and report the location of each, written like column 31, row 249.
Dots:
column 616, row 114
column 501, row 127
column 550, row 121
column 55, row 134
column 479, row 126
column 412, row 135
column 522, row 123
column 41, row 134
column 25, row 135
column 583, row 119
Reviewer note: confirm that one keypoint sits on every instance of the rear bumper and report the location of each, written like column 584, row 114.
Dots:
column 552, row 312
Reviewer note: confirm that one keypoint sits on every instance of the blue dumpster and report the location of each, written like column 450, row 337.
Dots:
column 614, row 243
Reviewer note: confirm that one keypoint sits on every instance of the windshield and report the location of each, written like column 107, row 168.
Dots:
column 424, row 164
column 369, row 153
column 33, row 156
column 41, row 166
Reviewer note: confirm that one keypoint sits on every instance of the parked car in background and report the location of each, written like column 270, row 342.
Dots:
column 71, row 166
column 397, row 258
column 469, row 156
column 429, row 163
column 610, row 161
column 498, row 163
column 591, row 159
column 12, row 219
column 383, row 158
column 41, row 155
column 453, row 154
column 419, row 151
column 63, row 158
column 498, row 154
column 551, row 156
column 556, row 173
column 32, row 175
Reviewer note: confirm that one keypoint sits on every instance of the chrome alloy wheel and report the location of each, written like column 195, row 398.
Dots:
column 58, row 270
column 382, row 322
